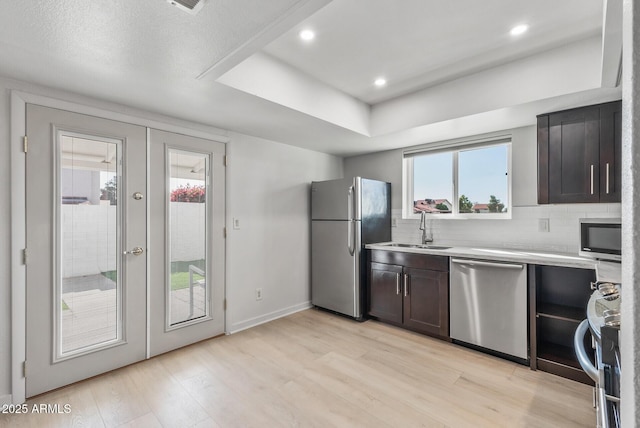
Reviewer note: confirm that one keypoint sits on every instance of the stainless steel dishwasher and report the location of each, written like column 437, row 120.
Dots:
column 488, row 305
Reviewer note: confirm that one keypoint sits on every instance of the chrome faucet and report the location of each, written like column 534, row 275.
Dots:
column 423, row 228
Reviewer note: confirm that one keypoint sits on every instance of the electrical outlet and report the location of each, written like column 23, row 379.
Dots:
column 258, row 293
column 543, row 225
column 236, row 223
column 394, row 221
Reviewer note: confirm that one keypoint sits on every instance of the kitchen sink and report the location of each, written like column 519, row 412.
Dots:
column 423, row 246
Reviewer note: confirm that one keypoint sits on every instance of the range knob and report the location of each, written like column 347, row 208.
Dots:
column 609, row 290
column 611, row 317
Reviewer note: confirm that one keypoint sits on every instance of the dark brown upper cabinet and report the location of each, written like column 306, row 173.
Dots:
column 579, row 155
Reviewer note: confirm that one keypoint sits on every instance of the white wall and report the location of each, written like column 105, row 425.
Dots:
column 88, row 239
column 187, row 231
column 269, row 194
column 80, row 183
column 5, row 245
column 267, row 186
column 630, row 330
column 521, row 231
column 89, row 244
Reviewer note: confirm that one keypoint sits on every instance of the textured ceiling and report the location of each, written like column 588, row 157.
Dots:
column 150, row 38
column 149, row 55
column 417, row 43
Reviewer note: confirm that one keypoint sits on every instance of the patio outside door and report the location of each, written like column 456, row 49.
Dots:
column 86, row 298
column 107, row 284
column 186, row 240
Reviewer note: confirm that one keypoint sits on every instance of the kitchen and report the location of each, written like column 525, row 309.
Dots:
column 269, row 196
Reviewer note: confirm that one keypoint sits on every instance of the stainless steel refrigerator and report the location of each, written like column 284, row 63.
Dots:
column 346, row 214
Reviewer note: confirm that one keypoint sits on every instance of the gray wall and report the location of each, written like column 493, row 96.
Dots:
column 520, row 231
column 384, row 166
column 387, row 166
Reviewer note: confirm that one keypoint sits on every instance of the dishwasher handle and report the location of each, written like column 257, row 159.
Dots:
column 488, row 264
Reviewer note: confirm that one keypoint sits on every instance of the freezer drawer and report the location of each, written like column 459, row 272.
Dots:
column 488, row 305
column 336, row 199
column 335, row 266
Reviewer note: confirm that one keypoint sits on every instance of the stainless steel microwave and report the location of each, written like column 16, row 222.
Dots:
column 601, row 238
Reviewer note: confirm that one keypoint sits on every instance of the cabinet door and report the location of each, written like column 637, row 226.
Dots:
column 610, row 151
column 385, row 292
column 426, row 301
column 574, row 174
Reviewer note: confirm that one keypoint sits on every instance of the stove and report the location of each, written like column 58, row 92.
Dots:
column 603, row 308
column 603, row 321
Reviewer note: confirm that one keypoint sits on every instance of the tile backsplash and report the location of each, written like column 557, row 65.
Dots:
column 520, row 232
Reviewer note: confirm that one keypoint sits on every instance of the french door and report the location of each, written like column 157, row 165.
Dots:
column 119, row 264
column 187, row 224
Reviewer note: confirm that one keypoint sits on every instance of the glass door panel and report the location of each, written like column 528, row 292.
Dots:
column 88, row 287
column 187, row 285
column 186, row 240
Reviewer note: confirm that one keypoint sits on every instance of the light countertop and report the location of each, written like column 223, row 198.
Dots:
column 498, row 254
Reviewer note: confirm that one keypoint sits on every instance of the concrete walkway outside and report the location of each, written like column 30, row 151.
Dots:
column 91, row 317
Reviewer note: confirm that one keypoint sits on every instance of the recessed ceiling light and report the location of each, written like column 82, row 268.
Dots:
column 380, row 82
column 307, row 35
column 519, row 29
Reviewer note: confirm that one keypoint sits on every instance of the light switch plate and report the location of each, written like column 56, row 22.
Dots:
column 543, row 225
column 236, row 223
column 394, row 221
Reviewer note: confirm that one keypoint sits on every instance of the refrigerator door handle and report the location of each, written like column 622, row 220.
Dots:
column 350, row 203
column 350, row 229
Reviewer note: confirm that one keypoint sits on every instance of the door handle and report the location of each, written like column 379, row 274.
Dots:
column 351, row 245
column 592, row 179
column 607, row 180
column 136, row 251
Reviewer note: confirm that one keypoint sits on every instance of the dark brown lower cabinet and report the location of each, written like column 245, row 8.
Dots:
column 426, row 301
column 410, row 290
column 385, row 301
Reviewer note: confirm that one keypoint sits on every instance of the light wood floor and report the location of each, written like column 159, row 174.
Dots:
column 314, row 369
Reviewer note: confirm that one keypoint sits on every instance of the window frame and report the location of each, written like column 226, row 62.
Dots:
column 455, row 149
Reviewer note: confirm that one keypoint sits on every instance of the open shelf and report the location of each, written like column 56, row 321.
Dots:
column 561, row 354
column 563, row 312
column 559, row 296
column 563, row 370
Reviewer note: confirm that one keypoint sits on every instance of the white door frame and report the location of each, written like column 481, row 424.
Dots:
column 19, row 99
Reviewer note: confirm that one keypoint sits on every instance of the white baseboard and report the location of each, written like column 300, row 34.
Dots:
column 5, row 399
column 252, row 322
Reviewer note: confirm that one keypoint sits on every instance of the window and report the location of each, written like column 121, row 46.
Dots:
column 462, row 181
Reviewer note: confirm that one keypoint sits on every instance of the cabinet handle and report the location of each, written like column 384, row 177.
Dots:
column 607, row 178
column 397, row 284
column 592, row 179
column 406, row 285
